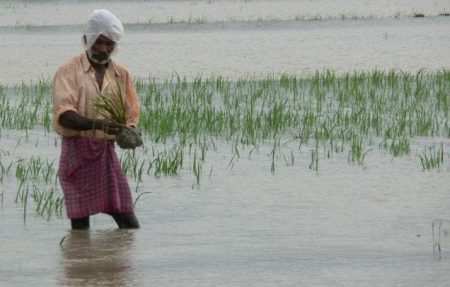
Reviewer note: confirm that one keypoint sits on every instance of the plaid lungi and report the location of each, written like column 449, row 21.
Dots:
column 92, row 179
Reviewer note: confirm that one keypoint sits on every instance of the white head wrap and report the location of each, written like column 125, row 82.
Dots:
column 102, row 22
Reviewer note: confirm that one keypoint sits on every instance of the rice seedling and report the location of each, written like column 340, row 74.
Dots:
column 197, row 168
column 139, row 196
column 48, row 202
column 439, row 229
column 168, row 162
column 314, row 164
column 432, row 157
column 130, row 163
column 24, row 201
column 5, row 170
column 35, row 168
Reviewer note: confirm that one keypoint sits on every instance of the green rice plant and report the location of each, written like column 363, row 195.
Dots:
column 48, row 202
column 314, row 164
column 24, row 201
column 357, row 153
column 139, row 196
column 197, row 168
column 22, row 171
column 131, row 165
column 272, row 155
column 35, row 168
column 169, row 162
column 432, row 157
column 400, row 146
column 439, row 230
column 5, row 170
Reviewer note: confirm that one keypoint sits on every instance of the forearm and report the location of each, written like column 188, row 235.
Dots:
column 74, row 121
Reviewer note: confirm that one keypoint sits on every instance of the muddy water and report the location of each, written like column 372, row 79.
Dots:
column 345, row 225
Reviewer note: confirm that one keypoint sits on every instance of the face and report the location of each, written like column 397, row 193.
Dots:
column 102, row 49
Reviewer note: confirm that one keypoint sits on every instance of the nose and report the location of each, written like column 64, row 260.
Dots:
column 102, row 47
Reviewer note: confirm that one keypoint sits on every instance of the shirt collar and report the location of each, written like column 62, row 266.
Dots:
column 87, row 65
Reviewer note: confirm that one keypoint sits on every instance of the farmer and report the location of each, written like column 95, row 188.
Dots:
column 89, row 171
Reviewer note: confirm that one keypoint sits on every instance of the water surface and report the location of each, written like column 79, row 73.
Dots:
column 344, row 225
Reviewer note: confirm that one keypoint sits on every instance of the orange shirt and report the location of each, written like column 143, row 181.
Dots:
column 74, row 88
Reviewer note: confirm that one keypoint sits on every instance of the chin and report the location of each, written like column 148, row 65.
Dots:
column 97, row 61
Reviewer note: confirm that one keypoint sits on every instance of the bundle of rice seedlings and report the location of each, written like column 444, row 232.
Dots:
column 113, row 107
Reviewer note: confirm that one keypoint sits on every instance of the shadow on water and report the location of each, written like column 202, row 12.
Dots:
column 93, row 258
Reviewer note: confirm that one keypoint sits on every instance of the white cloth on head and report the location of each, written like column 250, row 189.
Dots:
column 102, row 22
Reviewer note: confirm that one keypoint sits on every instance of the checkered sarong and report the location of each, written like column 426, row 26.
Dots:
column 92, row 179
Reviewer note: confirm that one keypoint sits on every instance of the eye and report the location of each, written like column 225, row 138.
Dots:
column 109, row 44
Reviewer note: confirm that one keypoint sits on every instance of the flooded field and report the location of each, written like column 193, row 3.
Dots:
column 312, row 146
column 257, row 38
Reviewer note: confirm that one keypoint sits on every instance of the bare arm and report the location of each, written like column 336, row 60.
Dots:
column 74, row 121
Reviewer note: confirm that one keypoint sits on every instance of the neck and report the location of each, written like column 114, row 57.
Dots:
column 99, row 67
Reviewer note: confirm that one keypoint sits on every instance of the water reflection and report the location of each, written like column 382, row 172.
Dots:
column 97, row 258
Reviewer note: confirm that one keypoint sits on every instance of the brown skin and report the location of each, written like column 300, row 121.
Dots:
column 75, row 121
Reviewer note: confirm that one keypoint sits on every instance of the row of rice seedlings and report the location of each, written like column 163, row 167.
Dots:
column 350, row 111
column 165, row 162
column 47, row 199
column 26, row 107
column 131, row 165
column 168, row 162
column 37, row 179
column 48, row 202
column 35, row 168
column 391, row 105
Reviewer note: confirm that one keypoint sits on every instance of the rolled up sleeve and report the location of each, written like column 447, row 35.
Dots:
column 65, row 97
column 131, row 102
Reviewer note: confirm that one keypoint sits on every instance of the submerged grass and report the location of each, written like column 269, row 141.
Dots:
column 315, row 117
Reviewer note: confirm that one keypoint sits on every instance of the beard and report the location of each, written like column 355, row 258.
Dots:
column 98, row 57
